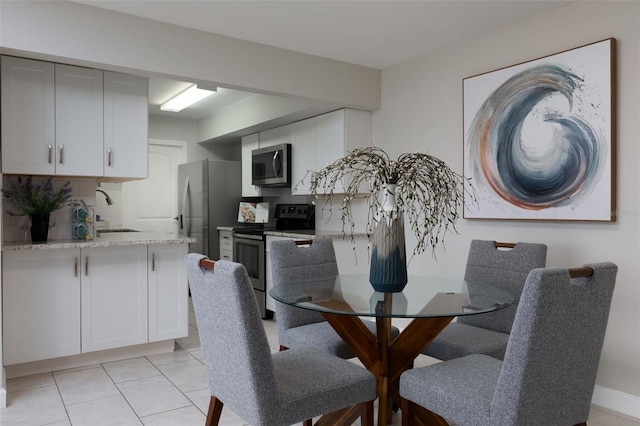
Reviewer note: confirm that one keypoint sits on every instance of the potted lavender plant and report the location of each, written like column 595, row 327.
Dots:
column 36, row 200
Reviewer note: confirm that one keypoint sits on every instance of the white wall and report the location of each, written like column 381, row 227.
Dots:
column 84, row 35
column 422, row 110
column 178, row 129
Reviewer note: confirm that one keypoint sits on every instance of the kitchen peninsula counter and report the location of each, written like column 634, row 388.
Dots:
column 110, row 239
column 71, row 303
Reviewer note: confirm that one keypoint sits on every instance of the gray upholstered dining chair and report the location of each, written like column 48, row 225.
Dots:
column 549, row 369
column 503, row 265
column 301, row 328
column 263, row 388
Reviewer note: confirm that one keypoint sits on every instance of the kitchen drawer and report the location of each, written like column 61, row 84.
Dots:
column 226, row 254
column 226, row 245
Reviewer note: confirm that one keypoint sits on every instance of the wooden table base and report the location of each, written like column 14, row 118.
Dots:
column 387, row 359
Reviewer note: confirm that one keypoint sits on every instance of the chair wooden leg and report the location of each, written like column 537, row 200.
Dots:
column 425, row 417
column 408, row 412
column 306, row 422
column 215, row 410
column 582, row 424
column 283, row 348
column 366, row 414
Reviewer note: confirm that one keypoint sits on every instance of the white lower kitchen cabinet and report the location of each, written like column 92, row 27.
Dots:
column 226, row 244
column 168, row 292
column 41, row 304
column 114, row 297
column 70, row 301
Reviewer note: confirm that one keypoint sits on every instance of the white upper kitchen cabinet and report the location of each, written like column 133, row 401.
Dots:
column 79, row 121
column 334, row 135
column 303, row 155
column 41, row 304
column 249, row 143
column 126, row 115
column 72, row 121
column 28, row 116
column 114, row 297
column 168, row 292
column 275, row 136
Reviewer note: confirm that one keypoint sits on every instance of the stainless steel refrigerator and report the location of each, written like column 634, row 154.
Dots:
column 210, row 192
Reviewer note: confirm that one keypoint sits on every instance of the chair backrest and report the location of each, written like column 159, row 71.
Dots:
column 237, row 354
column 506, row 269
column 292, row 263
column 550, row 365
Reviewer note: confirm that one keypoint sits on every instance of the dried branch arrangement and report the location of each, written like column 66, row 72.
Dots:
column 428, row 192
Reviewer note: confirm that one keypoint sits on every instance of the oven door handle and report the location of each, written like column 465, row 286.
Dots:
column 248, row 237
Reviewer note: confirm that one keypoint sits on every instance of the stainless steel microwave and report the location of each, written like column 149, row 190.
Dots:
column 271, row 166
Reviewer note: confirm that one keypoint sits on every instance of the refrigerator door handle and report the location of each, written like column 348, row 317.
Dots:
column 184, row 218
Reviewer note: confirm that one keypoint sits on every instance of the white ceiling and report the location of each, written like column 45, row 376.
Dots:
column 376, row 34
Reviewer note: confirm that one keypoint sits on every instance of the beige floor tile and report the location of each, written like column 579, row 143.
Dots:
column 103, row 412
column 191, row 342
column 177, row 355
column 423, row 361
column 200, row 398
column 187, row 416
column 144, row 389
column 30, row 382
column 186, row 376
column 37, row 406
column 130, row 369
column 84, row 385
column 153, row 395
column 199, row 355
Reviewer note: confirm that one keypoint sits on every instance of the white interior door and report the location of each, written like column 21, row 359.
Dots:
column 152, row 204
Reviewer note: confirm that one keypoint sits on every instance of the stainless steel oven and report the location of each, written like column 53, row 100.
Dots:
column 248, row 249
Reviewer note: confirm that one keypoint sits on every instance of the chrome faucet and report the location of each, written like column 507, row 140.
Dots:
column 106, row 196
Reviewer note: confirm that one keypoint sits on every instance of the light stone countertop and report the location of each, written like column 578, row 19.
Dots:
column 300, row 233
column 311, row 233
column 110, row 239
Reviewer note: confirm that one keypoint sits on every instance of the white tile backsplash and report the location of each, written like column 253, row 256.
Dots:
column 60, row 221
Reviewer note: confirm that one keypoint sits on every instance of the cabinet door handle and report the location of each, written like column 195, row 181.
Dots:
column 86, row 266
column 61, row 153
column 50, row 154
column 153, row 262
column 75, row 268
column 109, row 162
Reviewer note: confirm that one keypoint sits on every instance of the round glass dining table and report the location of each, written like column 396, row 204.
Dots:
column 430, row 302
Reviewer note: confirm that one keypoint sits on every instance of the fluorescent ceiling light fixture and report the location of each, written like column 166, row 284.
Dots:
column 187, row 98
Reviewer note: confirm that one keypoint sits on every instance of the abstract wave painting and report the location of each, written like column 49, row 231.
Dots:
column 539, row 140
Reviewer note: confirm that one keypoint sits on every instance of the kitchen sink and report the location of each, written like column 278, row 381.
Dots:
column 106, row 231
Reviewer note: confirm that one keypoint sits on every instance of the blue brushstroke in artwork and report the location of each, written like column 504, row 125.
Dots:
column 512, row 169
